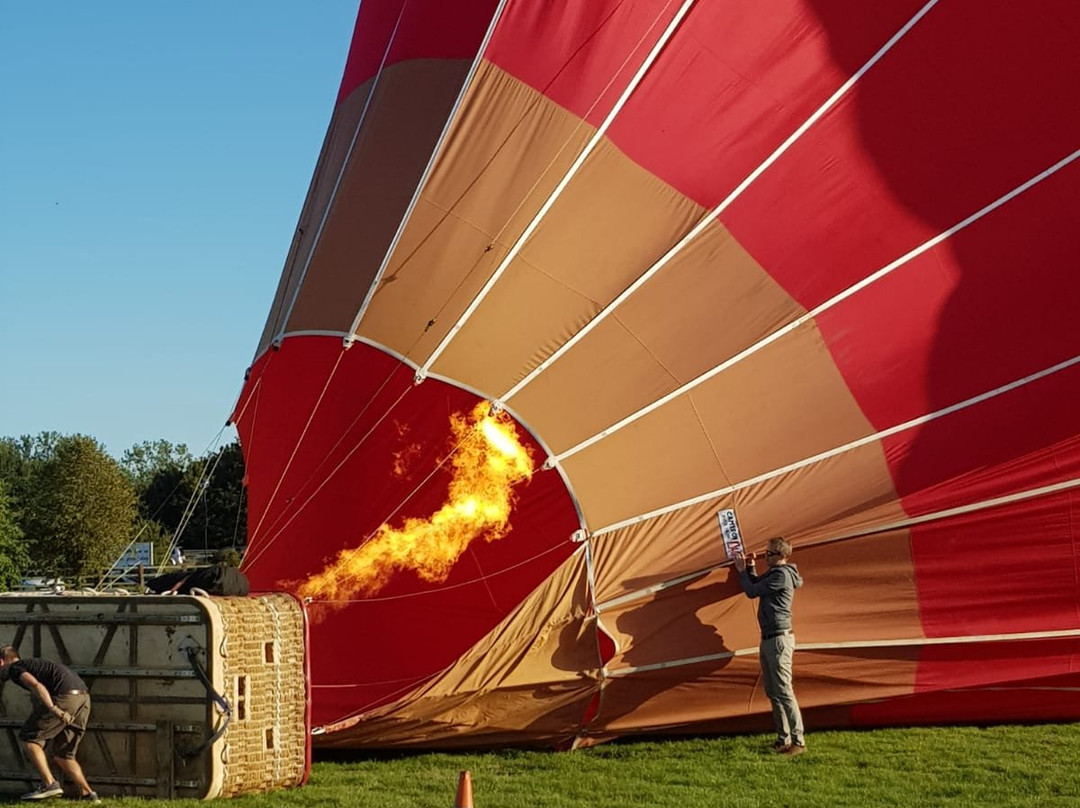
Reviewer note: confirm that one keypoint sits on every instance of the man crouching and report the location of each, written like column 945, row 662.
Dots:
column 57, row 721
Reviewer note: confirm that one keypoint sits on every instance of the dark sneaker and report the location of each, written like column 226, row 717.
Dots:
column 795, row 749
column 53, row 789
column 780, row 747
column 90, row 797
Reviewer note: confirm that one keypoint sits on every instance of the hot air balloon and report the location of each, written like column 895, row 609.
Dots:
column 575, row 282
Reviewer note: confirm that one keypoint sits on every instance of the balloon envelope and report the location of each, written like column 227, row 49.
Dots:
column 812, row 261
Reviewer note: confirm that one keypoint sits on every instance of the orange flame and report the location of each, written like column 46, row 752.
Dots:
column 488, row 463
column 404, row 458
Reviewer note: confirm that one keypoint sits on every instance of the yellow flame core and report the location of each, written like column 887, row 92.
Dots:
column 485, row 468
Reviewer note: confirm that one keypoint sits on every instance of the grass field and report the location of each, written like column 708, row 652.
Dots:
column 994, row 766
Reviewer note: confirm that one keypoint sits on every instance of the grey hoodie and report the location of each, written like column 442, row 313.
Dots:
column 776, row 588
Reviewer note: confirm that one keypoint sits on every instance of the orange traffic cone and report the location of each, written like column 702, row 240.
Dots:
column 464, row 791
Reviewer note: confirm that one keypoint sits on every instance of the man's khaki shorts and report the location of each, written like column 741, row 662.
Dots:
column 46, row 730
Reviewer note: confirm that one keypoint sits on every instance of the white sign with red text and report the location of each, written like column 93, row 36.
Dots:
column 729, row 528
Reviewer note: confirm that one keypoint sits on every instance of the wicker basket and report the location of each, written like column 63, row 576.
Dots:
column 192, row 697
column 265, row 746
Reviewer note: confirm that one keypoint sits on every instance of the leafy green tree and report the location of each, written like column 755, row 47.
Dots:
column 22, row 457
column 167, row 496
column 203, row 502
column 144, row 461
column 79, row 512
column 222, row 520
column 229, row 556
column 14, row 558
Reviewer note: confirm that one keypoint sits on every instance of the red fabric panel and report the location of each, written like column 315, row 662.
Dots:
column 734, row 83
column 991, row 305
column 1006, row 570
column 1018, row 441
column 1051, row 698
column 428, row 29
column 374, row 650
column 728, row 88
column 995, row 663
column 579, row 53
column 971, row 103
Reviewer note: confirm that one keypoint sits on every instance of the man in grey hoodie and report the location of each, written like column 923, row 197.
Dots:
column 776, row 588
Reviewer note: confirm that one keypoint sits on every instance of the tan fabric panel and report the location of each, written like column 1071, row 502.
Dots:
column 586, row 392
column 670, row 697
column 706, row 694
column 484, row 368
column 689, row 317
column 659, row 460
column 785, row 403
column 407, row 115
column 861, row 589
column 404, row 325
column 506, row 152
column 335, row 147
column 857, row 590
column 849, row 675
column 610, row 223
column 712, row 301
column 703, row 617
column 849, row 492
column 531, row 678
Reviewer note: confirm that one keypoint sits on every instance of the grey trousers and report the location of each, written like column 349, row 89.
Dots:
column 775, row 655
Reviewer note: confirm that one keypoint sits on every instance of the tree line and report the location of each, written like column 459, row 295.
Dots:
column 68, row 508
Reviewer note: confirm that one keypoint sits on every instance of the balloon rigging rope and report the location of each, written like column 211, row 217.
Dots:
column 324, row 481
column 193, row 500
column 710, row 217
column 848, row 447
column 205, row 475
column 296, row 447
column 316, row 471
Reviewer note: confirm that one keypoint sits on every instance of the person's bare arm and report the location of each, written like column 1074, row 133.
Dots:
column 37, row 689
column 41, row 692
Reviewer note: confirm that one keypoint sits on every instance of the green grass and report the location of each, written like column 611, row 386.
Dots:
column 994, row 766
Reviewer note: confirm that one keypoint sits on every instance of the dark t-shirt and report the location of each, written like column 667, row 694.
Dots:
column 56, row 678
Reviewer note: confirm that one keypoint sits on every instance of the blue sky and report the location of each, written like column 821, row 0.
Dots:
column 154, row 158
